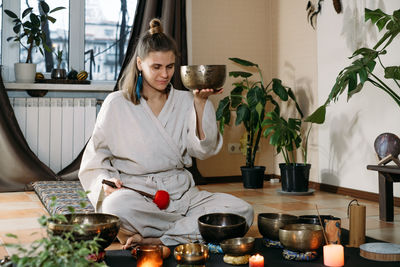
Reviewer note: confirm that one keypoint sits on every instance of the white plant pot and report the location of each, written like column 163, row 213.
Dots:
column 25, row 72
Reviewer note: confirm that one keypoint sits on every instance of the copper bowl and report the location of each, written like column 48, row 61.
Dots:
column 301, row 237
column 105, row 226
column 203, row 76
column 269, row 223
column 215, row 227
column 191, row 254
column 238, row 246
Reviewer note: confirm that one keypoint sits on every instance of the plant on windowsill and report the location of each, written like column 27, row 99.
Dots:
column 249, row 101
column 363, row 69
column 59, row 73
column 30, row 35
column 59, row 250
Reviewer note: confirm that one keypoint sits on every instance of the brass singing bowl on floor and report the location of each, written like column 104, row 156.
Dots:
column 215, row 227
column 238, row 246
column 105, row 226
column 301, row 237
column 203, row 76
column 269, row 223
column 191, row 254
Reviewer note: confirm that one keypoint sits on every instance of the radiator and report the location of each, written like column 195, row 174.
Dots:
column 56, row 129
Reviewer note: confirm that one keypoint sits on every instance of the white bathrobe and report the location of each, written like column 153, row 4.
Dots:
column 150, row 153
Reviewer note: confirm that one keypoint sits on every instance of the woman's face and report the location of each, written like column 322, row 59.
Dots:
column 157, row 69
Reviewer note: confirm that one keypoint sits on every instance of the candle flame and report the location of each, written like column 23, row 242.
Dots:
column 257, row 257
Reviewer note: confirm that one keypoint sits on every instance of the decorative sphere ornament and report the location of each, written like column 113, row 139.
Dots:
column 386, row 144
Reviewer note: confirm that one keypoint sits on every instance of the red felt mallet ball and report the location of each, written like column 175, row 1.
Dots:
column 161, row 199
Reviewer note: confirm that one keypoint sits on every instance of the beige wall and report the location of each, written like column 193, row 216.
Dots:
column 346, row 139
column 272, row 33
column 294, row 61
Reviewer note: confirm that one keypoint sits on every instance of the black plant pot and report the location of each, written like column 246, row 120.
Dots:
column 294, row 177
column 253, row 177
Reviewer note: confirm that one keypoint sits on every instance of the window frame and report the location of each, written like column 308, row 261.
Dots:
column 10, row 50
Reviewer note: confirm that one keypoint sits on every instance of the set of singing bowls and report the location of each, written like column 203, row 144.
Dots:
column 203, row 76
column 238, row 246
column 191, row 254
column 301, row 237
column 104, row 226
column 270, row 223
column 215, row 227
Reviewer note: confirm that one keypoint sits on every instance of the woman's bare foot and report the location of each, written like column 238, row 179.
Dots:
column 137, row 240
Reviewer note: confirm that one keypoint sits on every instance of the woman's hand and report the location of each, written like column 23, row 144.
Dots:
column 203, row 94
column 108, row 189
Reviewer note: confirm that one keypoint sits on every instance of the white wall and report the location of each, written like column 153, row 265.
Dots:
column 346, row 138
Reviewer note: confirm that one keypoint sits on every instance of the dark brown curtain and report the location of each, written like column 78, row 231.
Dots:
column 18, row 164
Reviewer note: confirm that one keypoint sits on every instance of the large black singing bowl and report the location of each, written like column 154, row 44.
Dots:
column 215, row 227
column 105, row 226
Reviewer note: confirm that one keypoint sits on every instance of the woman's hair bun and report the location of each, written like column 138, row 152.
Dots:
column 155, row 26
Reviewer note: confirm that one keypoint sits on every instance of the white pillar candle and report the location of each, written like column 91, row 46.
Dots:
column 333, row 255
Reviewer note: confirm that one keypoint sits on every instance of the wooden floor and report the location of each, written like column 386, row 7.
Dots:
column 19, row 211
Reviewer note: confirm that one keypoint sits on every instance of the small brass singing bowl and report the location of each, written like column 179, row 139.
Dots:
column 105, row 226
column 191, row 254
column 269, row 223
column 301, row 237
column 203, row 76
column 238, row 246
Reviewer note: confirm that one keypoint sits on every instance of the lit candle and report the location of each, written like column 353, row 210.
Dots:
column 256, row 261
column 333, row 255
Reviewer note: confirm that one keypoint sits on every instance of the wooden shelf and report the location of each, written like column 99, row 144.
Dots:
column 92, row 87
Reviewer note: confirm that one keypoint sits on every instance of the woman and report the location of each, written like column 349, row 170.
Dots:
column 144, row 137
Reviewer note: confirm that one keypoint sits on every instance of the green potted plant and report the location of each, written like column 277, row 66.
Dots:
column 57, row 250
column 29, row 33
column 363, row 68
column 287, row 135
column 248, row 100
column 59, row 73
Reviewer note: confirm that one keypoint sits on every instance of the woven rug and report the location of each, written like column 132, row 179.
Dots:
column 66, row 194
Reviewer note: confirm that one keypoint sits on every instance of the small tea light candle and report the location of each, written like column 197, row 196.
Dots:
column 333, row 255
column 256, row 261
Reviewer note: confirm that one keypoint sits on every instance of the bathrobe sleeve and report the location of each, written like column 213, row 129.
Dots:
column 96, row 161
column 213, row 140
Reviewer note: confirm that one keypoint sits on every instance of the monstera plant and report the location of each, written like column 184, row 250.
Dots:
column 288, row 135
column 367, row 61
column 248, row 100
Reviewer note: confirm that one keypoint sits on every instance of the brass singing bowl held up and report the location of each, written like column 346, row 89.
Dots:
column 105, row 226
column 191, row 254
column 215, row 227
column 269, row 223
column 301, row 237
column 238, row 246
column 203, row 76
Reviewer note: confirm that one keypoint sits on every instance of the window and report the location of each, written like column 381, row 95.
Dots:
column 93, row 35
column 107, row 28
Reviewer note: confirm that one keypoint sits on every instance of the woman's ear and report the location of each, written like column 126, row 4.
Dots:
column 139, row 63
